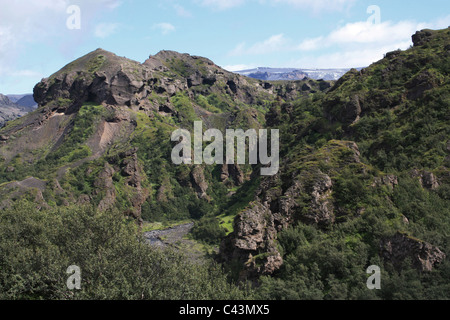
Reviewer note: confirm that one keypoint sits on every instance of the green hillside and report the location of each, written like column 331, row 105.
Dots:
column 364, row 180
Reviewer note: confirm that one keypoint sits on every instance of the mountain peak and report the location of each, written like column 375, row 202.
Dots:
column 425, row 36
column 97, row 60
column 182, row 63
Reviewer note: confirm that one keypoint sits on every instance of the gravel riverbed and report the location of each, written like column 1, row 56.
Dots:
column 169, row 237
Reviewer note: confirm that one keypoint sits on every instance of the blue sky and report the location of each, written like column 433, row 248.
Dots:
column 35, row 40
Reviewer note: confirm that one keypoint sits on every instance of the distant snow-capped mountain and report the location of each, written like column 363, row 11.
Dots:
column 271, row 74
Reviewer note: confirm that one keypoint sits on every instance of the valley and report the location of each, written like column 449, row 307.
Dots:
column 363, row 179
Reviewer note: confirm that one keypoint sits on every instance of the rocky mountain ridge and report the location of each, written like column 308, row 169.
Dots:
column 119, row 81
column 100, row 104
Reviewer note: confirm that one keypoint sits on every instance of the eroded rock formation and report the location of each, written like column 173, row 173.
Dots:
column 424, row 256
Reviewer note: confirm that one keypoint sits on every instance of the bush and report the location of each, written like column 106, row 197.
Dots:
column 208, row 230
column 37, row 247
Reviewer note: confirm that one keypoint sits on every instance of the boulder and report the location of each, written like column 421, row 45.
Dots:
column 421, row 37
column 427, row 179
column 199, row 182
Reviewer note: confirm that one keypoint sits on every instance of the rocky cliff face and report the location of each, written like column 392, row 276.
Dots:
column 278, row 204
column 401, row 246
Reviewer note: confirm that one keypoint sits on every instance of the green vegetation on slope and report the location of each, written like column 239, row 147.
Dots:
column 397, row 111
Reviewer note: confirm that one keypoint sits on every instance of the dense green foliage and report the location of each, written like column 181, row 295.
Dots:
column 38, row 246
column 332, row 264
column 208, row 230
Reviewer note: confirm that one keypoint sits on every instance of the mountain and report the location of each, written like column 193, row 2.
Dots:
column 27, row 101
column 15, row 97
column 10, row 110
column 6, row 102
column 355, row 160
column 273, row 74
column 114, row 117
column 364, row 175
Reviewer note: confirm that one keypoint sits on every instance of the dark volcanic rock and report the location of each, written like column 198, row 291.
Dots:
column 253, row 243
column 234, row 171
column 99, row 77
column 421, row 37
column 420, row 84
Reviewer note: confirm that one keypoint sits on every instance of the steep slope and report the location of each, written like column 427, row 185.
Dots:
column 365, row 175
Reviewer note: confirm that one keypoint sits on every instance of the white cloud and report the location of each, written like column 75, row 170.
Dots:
column 6, row 38
column 164, row 27
column 367, row 33
column 314, row 5
column 310, row 44
column 26, row 73
column 238, row 67
column 181, row 11
column 363, row 33
column 361, row 43
column 355, row 44
column 104, row 30
column 347, row 58
column 42, row 21
column 274, row 43
column 318, row 5
column 238, row 50
column 22, row 23
column 221, row 4
column 111, row 4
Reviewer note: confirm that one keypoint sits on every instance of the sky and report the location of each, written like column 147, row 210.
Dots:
column 39, row 37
